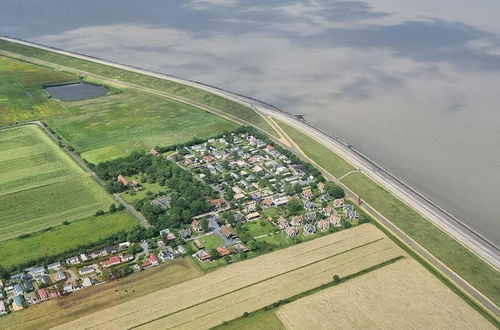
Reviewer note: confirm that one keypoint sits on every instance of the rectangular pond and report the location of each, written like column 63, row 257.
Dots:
column 76, row 92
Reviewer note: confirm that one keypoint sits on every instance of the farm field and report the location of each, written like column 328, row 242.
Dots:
column 21, row 96
column 412, row 298
column 109, row 127
column 40, row 186
column 227, row 293
column 462, row 261
column 86, row 302
column 174, row 88
column 63, row 238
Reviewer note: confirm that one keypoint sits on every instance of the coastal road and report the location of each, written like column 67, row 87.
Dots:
column 440, row 217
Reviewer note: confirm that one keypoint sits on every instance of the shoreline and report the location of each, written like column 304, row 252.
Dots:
column 437, row 215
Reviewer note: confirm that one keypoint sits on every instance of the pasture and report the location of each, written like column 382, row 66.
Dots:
column 108, row 127
column 402, row 295
column 21, row 96
column 86, row 302
column 63, row 238
column 227, row 293
column 40, row 186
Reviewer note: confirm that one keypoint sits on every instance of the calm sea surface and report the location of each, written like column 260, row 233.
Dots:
column 415, row 85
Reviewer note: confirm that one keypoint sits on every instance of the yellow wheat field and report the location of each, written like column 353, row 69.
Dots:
column 227, row 293
column 402, row 295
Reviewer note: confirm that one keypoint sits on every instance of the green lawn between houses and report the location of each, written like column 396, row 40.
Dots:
column 257, row 229
column 63, row 238
column 465, row 263
column 41, row 186
column 191, row 93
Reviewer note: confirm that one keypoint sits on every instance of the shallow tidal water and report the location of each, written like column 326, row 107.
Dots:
column 413, row 85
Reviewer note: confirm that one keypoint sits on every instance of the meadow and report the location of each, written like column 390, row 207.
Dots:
column 456, row 256
column 228, row 292
column 85, row 302
column 109, row 127
column 21, row 94
column 40, row 185
column 171, row 87
column 63, row 238
column 412, row 298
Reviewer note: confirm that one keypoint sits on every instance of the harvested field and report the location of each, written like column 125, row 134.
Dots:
column 85, row 302
column 40, row 186
column 227, row 293
column 402, row 295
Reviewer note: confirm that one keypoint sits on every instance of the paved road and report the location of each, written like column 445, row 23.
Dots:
column 439, row 216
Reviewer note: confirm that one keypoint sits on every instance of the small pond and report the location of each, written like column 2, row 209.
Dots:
column 76, row 92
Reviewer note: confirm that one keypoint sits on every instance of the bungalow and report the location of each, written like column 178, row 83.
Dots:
column 73, row 260
column 296, row 220
column 42, row 293
column 198, row 244
column 283, row 223
column 17, row 289
column 309, row 229
column 154, row 152
column 253, row 216
column 323, row 225
column 292, row 231
column 181, row 250
column 153, row 259
column 203, row 255
column 111, row 249
column 196, row 225
column 122, row 180
column 87, row 282
column 17, row 304
column 52, row 293
column 29, row 286
column 31, row 298
column 86, row 270
column 338, row 202
column 241, row 248
column 335, row 220
column 185, row 233
column 217, row 203
column 54, row 266
column 307, row 193
column 280, row 201
column 222, row 251
column 60, row 276
column 84, row 257
column 311, row 216
column 228, row 232
column 112, row 261
column 321, row 187
column 166, row 255
column 18, row 277
column 36, row 271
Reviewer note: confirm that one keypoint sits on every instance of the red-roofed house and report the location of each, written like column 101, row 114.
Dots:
column 154, row 152
column 122, row 180
column 217, row 203
column 153, row 259
column 297, row 220
column 208, row 158
column 269, row 147
column 321, row 187
column 196, row 225
column 115, row 260
column 338, row 202
column 222, row 251
column 43, row 294
column 307, row 193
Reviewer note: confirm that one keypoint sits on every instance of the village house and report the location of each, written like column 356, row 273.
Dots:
column 86, row 270
column 339, row 202
column 185, row 233
column 17, row 289
column 325, row 198
column 253, row 216
column 309, row 229
column 54, row 266
column 327, row 211
column 166, row 255
column 198, row 244
column 3, row 308
column 28, row 286
column 323, row 225
column 335, row 220
column 283, row 223
column 217, row 203
column 196, row 225
column 321, row 187
column 43, row 280
column 311, row 216
column 203, row 255
column 292, row 231
column 122, row 179
column 31, row 298
column 349, row 211
column 228, row 232
column 17, row 304
column 222, row 251
column 112, row 261
column 18, row 277
column 36, row 271
column 296, row 220
column 73, row 260
column 308, row 205
column 86, row 282
column 60, row 276
column 241, row 248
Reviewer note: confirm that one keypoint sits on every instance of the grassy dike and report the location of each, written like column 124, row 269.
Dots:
column 444, row 247
column 195, row 94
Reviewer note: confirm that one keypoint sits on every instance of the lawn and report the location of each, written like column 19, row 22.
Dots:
column 171, row 87
column 40, row 185
column 148, row 187
column 322, row 155
column 257, row 229
column 63, row 238
column 84, row 302
column 271, row 212
column 108, row 127
column 262, row 320
column 211, row 241
column 279, row 240
column 441, row 245
column 21, row 96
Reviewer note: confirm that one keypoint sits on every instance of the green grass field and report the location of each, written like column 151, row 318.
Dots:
column 177, row 89
column 21, row 96
column 465, row 263
column 108, row 127
column 40, row 186
column 62, row 238
column 262, row 320
column 325, row 158
column 256, row 229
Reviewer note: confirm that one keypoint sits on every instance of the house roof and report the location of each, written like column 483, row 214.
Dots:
column 222, row 251
column 296, row 220
column 122, row 180
column 307, row 193
column 321, row 186
column 217, row 202
column 153, row 258
column 291, row 231
column 154, row 152
column 226, row 231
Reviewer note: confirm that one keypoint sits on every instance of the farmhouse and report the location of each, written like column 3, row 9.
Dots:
column 228, row 232
column 122, row 180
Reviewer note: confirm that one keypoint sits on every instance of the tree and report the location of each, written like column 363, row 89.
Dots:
column 336, row 278
column 294, row 206
column 213, row 252
column 112, row 208
column 333, row 190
